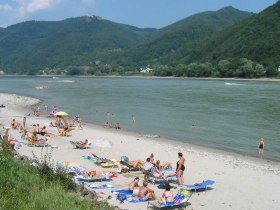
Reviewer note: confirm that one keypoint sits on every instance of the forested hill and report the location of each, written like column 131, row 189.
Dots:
column 172, row 38
column 257, row 38
column 35, row 45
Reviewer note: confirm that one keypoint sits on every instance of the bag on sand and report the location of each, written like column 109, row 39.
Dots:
column 121, row 197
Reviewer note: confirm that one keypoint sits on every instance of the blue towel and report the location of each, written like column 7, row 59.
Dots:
column 131, row 200
column 124, row 191
column 89, row 158
column 166, row 170
column 102, row 186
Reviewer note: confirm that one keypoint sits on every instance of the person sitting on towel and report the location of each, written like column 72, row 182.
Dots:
column 133, row 184
column 167, row 196
column 145, row 193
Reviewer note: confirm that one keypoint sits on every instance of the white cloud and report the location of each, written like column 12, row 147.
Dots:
column 31, row 6
column 36, row 5
column 6, row 7
column 20, row 10
column 88, row 2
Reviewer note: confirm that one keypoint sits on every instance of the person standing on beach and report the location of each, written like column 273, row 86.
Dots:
column 261, row 147
column 180, row 169
column 24, row 121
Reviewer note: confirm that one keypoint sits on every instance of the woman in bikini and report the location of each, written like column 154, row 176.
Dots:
column 167, row 196
column 261, row 147
column 180, row 169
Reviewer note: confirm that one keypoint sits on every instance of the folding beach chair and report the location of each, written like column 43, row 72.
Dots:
column 79, row 146
column 180, row 198
column 152, row 179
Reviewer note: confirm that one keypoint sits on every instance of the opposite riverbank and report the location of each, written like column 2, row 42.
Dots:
column 241, row 182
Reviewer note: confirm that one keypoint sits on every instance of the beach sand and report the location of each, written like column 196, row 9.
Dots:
column 241, row 182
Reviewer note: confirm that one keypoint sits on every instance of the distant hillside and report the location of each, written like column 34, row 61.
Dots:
column 256, row 38
column 173, row 38
column 34, row 45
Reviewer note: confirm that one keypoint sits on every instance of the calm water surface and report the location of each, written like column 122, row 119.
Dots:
column 230, row 115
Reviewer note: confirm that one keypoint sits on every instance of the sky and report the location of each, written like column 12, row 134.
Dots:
column 140, row 13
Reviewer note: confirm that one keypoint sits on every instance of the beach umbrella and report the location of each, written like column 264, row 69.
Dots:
column 60, row 114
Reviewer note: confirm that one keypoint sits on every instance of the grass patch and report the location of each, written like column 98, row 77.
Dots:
column 26, row 187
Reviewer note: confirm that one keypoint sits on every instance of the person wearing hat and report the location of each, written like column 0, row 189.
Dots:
column 134, row 184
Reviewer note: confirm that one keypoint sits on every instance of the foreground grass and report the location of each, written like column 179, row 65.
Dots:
column 26, row 187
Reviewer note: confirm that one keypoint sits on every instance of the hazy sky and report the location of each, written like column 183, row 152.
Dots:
column 140, row 13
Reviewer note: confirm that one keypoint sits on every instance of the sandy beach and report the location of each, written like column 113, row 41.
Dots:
column 241, row 182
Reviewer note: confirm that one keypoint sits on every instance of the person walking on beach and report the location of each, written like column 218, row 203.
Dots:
column 261, row 147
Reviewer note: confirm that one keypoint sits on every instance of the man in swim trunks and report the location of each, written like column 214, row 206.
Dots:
column 145, row 193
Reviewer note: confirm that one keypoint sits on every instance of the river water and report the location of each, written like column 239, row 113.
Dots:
column 229, row 115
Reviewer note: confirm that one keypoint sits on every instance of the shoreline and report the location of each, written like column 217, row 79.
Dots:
column 241, row 182
column 168, row 140
column 262, row 79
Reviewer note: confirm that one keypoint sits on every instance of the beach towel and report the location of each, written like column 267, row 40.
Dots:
column 110, row 164
column 90, row 158
column 200, row 186
column 100, row 186
column 123, row 191
column 180, row 198
column 92, row 179
column 140, row 200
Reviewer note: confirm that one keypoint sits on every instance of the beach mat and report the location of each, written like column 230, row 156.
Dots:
column 131, row 200
column 100, row 186
column 123, row 191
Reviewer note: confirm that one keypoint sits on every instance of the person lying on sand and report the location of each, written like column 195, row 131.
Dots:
column 156, row 173
column 95, row 174
column 162, row 166
column 83, row 143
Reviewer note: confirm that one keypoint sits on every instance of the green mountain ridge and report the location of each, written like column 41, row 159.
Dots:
column 256, row 38
column 172, row 38
column 34, row 45
column 223, row 43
